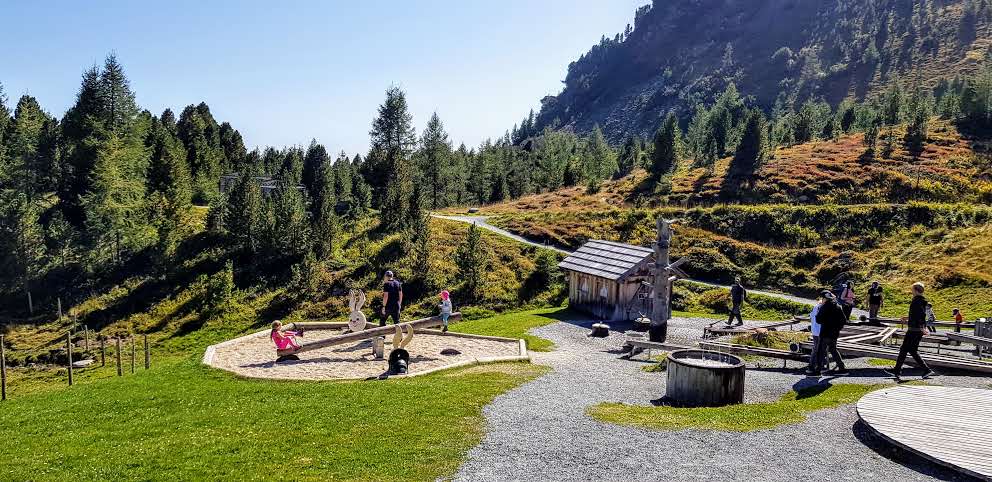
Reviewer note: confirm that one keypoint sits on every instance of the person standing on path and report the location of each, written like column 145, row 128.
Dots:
column 875, row 300
column 737, row 297
column 847, row 299
column 816, row 354
column 916, row 324
column 392, row 299
column 831, row 318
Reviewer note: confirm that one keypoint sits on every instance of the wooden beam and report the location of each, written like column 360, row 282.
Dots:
column 971, row 339
column 750, row 350
column 366, row 334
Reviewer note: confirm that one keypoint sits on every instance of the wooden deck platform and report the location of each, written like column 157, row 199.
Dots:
column 945, row 425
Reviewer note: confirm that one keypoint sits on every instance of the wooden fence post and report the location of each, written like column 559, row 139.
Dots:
column 132, row 354
column 148, row 355
column 68, row 352
column 3, row 371
column 30, row 304
column 120, row 370
column 86, row 333
column 60, row 309
column 103, row 351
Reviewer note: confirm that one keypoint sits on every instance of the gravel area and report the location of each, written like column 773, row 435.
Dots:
column 540, row 431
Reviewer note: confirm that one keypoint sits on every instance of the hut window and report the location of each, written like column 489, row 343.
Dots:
column 603, row 293
column 584, row 288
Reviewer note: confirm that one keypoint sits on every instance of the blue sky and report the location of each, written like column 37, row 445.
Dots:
column 285, row 72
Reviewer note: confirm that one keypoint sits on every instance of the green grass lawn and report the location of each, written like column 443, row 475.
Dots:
column 516, row 325
column 791, row 408
column 182, row 420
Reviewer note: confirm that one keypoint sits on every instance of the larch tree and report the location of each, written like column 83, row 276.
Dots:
column 600, row 159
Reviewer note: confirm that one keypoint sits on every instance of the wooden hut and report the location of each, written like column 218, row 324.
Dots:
column 609, row 280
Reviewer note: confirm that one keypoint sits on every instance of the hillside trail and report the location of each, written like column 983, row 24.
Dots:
column 482, row 222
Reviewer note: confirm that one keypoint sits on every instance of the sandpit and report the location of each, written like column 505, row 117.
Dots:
column 254, row 356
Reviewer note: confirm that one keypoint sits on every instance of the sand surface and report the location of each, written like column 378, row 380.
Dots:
column 255, row 356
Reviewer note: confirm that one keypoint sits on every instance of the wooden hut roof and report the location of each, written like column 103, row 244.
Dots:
column 606, row 259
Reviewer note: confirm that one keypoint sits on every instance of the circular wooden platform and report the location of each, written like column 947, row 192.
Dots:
column 949, row 426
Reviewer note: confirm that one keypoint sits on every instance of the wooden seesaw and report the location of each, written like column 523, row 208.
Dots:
column 370, row 333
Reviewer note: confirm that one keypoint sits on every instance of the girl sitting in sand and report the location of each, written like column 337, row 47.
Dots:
column 445, row 309
column 283, row 339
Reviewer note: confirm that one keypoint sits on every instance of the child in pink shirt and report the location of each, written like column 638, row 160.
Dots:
column 283, row 340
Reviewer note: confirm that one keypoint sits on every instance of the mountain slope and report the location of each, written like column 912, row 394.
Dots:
column 685, row 51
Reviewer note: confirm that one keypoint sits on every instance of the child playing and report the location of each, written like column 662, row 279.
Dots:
column 282, row 339
column 958, row 319
column 931, row 319
column 445, row 309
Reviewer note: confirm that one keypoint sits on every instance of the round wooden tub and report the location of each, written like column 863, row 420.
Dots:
column 702, row 378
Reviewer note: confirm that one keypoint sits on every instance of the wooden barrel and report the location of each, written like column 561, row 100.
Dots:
column 702, row 378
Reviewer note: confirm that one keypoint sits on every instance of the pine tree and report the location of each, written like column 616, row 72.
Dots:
column 472, row 262
column 200, row 135
column 313, row 165
column 243, row 217
column 25, row 166
column 21, row 239
column 393, row 141
column 288, row 226
column 601, row 161
column 119, row 106
column 630, row 155
column 421, row 241
column 435, row 158
column 82, row 133
column 170, row 189
column 666, row 147
column 752, row 150
column 342, row 177
column 920, row 109
column 324, row 214
column 233, row 147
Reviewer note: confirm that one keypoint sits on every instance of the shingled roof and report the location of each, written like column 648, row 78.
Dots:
column 606, row 259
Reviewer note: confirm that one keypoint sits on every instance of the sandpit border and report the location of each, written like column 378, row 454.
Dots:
column 523, row 356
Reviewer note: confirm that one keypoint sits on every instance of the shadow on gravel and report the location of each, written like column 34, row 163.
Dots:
column 903, row 457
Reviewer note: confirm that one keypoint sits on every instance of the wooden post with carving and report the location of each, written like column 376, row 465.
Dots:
column 660, row 310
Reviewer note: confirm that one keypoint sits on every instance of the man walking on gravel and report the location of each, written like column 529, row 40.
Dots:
column 737, row 297
column 875, row 299
column 916, row 324
column 392, row 299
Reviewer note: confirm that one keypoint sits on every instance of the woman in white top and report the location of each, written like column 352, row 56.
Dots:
column 815, row 356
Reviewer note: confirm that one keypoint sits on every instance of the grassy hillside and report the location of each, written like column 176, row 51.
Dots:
column 180, row 312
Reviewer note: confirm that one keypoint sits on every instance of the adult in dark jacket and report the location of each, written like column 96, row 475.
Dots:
column 916, row 324
column 737, row 297
column 832, row 319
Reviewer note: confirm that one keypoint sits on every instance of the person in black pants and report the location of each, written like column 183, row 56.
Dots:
column 832, row 319
column 737, row 296
column 916, row 325
column 392, row 299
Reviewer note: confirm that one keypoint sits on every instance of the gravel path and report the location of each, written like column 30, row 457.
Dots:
column 540, row 431
column 481, row 221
